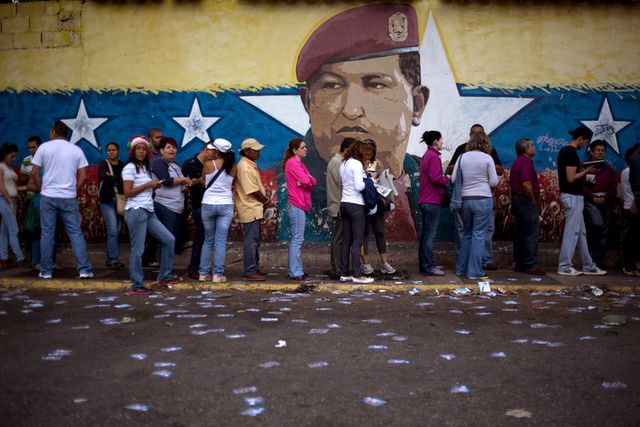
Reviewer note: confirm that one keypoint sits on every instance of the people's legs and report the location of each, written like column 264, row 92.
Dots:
column 368, row 228
column 347, row 239
column 48, row 217
column 583, row 246
column 466, row 214
column 459, row 228
column 487, row 254
column 71, row 219
column 531, row 228
column 166, row 216
column 250, row 247
column 166, row 241
column 10, row 224
column 358, row 219
column 136, row 220
column 430, row 219
column 224, row 216
column 482, row 214
column 599, row 240
column 198, row 241
column 297, row 219
column 376, row 222
column 110, row 217
column 572, row 206
column 336, row 243
column 208, row 217
column 630, row 240
column 4, row 241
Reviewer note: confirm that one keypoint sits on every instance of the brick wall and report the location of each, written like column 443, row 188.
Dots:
column 40, row 24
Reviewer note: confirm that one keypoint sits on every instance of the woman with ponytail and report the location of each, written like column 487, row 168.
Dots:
column 299, row 186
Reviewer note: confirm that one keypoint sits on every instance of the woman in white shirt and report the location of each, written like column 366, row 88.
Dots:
column 8, row 194
column 217, row 208
column 138, row 186
column 353, row 213
column 479, row 177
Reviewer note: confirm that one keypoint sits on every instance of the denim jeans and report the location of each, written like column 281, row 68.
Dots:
column 112, row 225
column 487, row 253
column 597, row 226
column 198, row 241
column 9, row 232
column 250, row 247
column 139, row 221
column 574, row 233
column 353, row 225
column 297, row 221
column 430, row 219
column 525, row 235
column 216, row 220
column 476, row 215
column 170, row 219
column 336, row 245
column 52, row 208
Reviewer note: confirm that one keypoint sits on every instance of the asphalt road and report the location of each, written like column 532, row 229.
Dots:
column 314, row 359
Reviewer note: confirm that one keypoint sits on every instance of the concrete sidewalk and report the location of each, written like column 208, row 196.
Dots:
column 316, row 261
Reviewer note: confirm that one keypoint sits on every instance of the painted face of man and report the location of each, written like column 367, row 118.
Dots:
column 365, row 99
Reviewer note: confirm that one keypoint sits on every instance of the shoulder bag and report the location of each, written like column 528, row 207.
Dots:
column 121, row 199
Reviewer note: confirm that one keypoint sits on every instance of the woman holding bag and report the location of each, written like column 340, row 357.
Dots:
column 110, row 179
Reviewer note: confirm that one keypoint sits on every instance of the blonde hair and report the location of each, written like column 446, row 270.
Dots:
column 479, row 141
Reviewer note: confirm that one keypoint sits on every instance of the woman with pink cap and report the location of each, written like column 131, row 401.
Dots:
column 138, row 186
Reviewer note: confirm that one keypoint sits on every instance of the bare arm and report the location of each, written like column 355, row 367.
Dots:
column 527, row 187
column 82, row 177
column 573, row 175
column 130, row 191
column 35, row 178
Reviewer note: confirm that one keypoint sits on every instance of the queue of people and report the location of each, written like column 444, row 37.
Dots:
column 150, row 193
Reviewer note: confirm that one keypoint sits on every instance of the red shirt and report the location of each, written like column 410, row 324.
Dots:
column 523, row 171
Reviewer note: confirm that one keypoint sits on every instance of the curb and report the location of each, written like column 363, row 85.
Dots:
column 322, row 287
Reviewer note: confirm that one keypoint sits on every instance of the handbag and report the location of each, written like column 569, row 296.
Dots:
column 31, row 222
column 121, row 199
column 456, row 192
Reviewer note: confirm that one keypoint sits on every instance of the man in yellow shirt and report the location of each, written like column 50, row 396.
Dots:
column 250, row 199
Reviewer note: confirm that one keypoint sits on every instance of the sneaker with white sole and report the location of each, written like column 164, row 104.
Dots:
column 569, row 272
column 87, row 275
column 45, row 275
column 204, row 277
column 345, row 279
column 367, row 269
column 362, row 280
column 387, row 268
column 435, row 272
column 218, row 278
column 595, row 271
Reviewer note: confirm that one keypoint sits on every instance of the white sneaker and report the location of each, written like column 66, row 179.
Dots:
column 436, row 272
column 218, row 278
column 387, row 268
column 362, row 279
column 45, row 275
column 367, row 269
column 345, row 279
column 88, row 275
column 595, row 271
column 569, row 272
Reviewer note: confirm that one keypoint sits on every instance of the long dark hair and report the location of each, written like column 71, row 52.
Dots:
column 294, row 144
column 146, row 162
column 431, row 136
column 6, row 149
column 355, row 151
column 228, row 160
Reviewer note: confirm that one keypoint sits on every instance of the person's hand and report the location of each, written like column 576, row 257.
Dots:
column 633, row 209
column 590, row 169
column 154, row 184
column 598, row 200
column 298, row 183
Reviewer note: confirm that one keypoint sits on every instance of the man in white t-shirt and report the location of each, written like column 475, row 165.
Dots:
column 63, row 165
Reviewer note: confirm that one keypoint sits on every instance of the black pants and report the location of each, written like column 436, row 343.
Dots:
column 198, row 241
column 631, row 254
column 525, row 235
column 375, row 224
column 251, row 245
column 353, row 225
column 336, row 245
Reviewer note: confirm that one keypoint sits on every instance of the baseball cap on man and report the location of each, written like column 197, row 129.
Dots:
column 220, row 144
column 581, row 131
column 251, row 143
column 364, row 32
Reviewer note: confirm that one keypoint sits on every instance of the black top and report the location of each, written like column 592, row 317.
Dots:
column 192, row 168
column 107, row 182
column 460, row 150
column 634, row 175
column 568, row 156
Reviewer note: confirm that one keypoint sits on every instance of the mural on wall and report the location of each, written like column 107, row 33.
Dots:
column 362, row 73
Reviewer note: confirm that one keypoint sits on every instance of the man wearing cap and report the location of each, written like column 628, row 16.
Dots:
column 360, row 71
column 192, row 168
column 570, row 177
column 250, row 199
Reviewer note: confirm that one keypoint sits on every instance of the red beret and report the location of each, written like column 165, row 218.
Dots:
column 360, row 33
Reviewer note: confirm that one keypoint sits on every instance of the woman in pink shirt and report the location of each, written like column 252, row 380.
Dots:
column 432, row 183
column 299, row 186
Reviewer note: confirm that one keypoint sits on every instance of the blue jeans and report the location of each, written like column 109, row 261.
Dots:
column 67, row 210
column 170, row 219
column 597, row 226
column 525, row 235
column 9, row 232
column 297, row 221
column 216, row 220
column 251, row 247
column 139, row 221
column 112, row 225
column 574, row 233
column 487, row 254
column 430, row 219
column 476, row 215
column 198, row 241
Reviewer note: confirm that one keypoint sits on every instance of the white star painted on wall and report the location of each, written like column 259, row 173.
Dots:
column 196, row 125
column 83, row 126
column 446, row 110
column 606, row 127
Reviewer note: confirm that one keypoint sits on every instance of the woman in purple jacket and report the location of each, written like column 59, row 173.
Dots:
column 432, row 183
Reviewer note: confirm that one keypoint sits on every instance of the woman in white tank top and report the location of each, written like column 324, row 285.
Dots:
column 218, row 175
column 8, row 194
